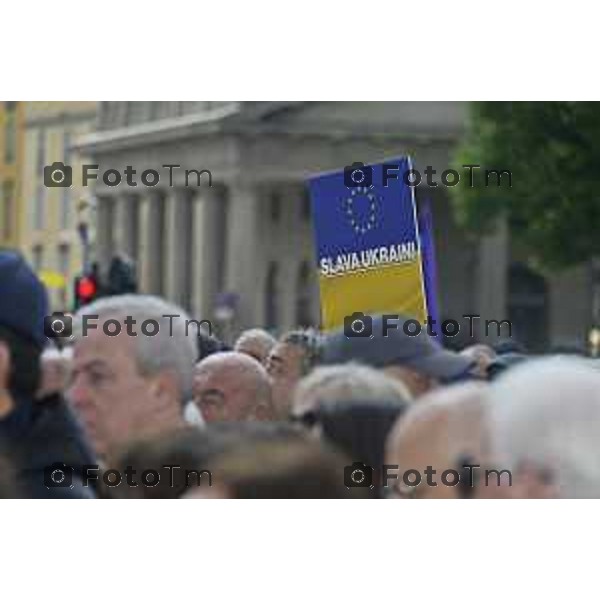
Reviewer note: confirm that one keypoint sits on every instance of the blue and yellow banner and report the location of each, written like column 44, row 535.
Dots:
column 369, row 246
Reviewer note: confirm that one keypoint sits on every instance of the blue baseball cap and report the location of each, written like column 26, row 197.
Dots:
column 420, row 352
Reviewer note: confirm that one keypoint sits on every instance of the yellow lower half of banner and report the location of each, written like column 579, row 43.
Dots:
column 393, row 289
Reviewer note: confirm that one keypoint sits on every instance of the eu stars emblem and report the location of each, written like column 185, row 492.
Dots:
column 360, row 208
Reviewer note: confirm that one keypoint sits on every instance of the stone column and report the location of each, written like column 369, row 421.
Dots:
column 150, row 242
column 204, row 251
column 177, row 276
column 289, row 251
column 125, row 225
column 104, row 231
column 243, row 261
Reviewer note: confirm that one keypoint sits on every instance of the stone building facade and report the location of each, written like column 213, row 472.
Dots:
column 247, row 240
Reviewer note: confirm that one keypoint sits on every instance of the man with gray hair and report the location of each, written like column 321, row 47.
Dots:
column 544, row 426
column 441, row 433
column 133, row 362
column 351, row 381
column 256, row 343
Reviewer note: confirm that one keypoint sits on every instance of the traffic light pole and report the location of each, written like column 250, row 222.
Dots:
column 83, row 230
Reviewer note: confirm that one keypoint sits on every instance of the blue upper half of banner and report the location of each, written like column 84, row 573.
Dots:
column 372, row 211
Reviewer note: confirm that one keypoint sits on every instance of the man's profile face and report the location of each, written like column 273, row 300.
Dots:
column 285, row 362
column 284, row 366
column 112, row 399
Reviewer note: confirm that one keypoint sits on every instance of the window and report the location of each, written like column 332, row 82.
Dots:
column 528, row 306
column 137, row 112
column 10, row 133
column 156, row 109
column 165, row 110
column 8, row 189
column 40, row 197
column 39, row 206
column 64, row 257
column 188, row 108
column 275, row 207
column 109, row 116
column 65, row 204
column 38, row 258
column 271, row 300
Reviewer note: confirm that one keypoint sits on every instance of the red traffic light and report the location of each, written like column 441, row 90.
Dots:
column 87, row 289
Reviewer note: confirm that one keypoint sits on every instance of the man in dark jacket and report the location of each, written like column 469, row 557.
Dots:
column 36, row 435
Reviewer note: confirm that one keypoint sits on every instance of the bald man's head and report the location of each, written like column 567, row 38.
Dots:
column 231, row 386
column 442, row 431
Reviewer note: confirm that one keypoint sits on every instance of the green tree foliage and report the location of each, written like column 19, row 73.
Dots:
column 553, row 152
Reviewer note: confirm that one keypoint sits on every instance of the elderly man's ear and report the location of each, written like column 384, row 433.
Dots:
column 6, row 401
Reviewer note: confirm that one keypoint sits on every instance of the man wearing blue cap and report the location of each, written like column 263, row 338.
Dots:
column 416, row 360
column 37, row 435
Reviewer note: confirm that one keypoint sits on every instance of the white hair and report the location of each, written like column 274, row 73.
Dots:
column 546, row 413
column 173, row 348
column 256, row 382
column 261, row 336
column 51, row 353
column 351, row 381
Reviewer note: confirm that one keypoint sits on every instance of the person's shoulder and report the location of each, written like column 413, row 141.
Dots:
column 54, row 438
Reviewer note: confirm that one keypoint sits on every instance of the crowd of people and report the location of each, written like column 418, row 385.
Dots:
column 180, row 414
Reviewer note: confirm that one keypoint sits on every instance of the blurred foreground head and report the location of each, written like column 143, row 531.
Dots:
column 185, row 451
column 441, row 432
column 418, row 361
column 177, row 461
column 256, row 343
column 126, row 387
column 292, row 468
column 544, row 422
column 359, row 429
column 231, row 386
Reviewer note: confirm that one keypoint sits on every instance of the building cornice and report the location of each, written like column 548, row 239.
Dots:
column 254, row 120
column 160, row 131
